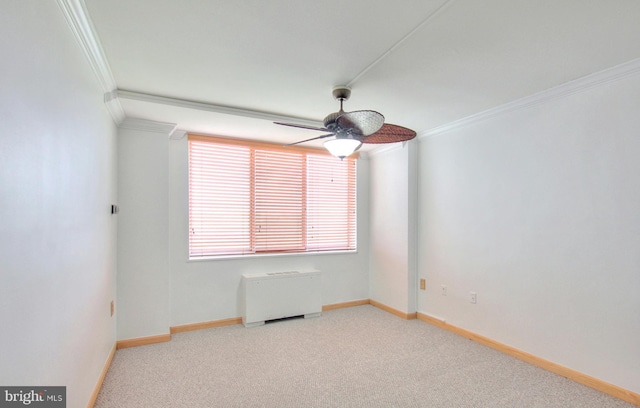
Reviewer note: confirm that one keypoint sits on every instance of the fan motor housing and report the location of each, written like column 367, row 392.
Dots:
column 330, row 120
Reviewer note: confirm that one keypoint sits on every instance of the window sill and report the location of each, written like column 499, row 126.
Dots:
column 272, row 255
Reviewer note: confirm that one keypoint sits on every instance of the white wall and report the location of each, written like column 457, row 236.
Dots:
column 537, row 210
column 392, row 242
column 158, row 287
column 143, row 234
column 57, row 182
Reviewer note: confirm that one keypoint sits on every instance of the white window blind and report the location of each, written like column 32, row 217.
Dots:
column 331, row 203
column 251, row 198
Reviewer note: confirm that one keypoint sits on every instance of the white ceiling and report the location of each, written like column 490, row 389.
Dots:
column 421, row 63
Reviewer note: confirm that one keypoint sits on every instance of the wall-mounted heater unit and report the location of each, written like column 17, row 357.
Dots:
column 276, row 295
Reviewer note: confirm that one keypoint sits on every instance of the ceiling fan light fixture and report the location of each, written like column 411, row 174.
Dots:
column 342, row 148
column 352, row 129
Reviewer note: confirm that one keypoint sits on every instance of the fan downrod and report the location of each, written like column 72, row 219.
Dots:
column 340, row 93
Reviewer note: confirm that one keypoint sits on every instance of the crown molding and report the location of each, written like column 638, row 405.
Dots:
column 585, row 83
column 75, row 13
column 389, row 148
column 178, row 134
column 151, row 126
column 385, row 149
column 84, row 32
column 210, row 107
column 114, row 107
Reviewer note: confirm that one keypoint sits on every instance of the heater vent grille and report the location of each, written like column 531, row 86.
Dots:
column 277, row 295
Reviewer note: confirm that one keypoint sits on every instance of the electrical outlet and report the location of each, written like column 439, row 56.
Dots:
column 444, row 290
column 473, row 297
column 423, row 284
column 113, row 308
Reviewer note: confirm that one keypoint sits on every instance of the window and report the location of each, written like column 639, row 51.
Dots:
column 258, row 198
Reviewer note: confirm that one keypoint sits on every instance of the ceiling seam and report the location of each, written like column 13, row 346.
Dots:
column 400, row 42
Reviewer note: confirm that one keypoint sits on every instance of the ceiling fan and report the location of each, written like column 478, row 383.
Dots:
column 351, row 129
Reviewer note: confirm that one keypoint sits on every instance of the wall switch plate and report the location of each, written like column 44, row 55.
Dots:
column 473, row 297
column 423, row 284
column 444, row 290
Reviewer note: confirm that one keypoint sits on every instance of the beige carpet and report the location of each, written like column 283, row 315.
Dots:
column 355, row 357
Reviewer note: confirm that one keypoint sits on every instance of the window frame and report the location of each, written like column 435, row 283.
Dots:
column 350, row 209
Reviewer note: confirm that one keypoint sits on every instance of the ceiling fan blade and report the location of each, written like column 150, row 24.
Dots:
column 313, row 138
column 303, row 126
column 388, row 134
column 364, row 122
